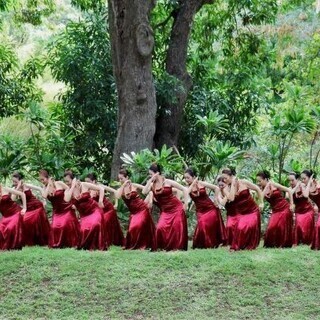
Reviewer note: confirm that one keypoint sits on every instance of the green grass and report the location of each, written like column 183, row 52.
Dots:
column 38, row 283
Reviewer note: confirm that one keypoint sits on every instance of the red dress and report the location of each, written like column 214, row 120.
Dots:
column 91, row 223
column 316, row 234
column 113, row 232
column 11, row 224
column 65, row 226
column 304, row 225
column 279, row 230
column 36, row 226
column 171, row 230
column 248, row 229
column 232, row 221
column 210, row 231
column 141, row 228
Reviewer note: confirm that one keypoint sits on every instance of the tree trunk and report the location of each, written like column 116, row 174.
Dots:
column 170, row 120
column 132, row 44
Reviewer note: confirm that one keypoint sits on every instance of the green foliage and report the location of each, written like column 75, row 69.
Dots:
column 246, row 73
column 138, row 163
column 12, row 157
column 48, row 146
column 167, row 87
column 214, row 155
column 80, row 57
column 32, row 11
column 229, row 62
column 214, row 123
column 17, row 84
column 86, row 5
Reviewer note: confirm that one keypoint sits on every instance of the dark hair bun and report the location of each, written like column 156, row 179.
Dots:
column 295, row 174
column 18, row 175
column 229, row 171
column 309, row 173
column 264, row 174
column 191, row 172
column 156, row 168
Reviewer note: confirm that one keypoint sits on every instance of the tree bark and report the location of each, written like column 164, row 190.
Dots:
column 132, row 44
column 170, row 120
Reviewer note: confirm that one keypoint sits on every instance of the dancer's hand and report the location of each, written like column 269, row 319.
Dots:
column 74, row 182
column 185, row 207
column 19, row 185
column 154, row 177
column 23, row 212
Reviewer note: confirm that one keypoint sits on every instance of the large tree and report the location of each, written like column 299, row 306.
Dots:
column 169, row 120
column 132, row 45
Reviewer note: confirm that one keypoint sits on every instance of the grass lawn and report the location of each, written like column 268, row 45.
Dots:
column 38, row 283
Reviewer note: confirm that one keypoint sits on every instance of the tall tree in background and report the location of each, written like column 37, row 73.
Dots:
column 170, row 118
column 132, row 45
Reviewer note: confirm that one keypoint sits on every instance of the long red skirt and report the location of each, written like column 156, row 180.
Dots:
column 304, row 228
column 232, row 222
column 279, row 230
column 172, row 231
column 64, row 230
column 11, row 232
column 247, row 232
column 113, row 232
column 316, row 236
column 92, row 231
column 141, row 231
column 36, row 228
column 210, row 231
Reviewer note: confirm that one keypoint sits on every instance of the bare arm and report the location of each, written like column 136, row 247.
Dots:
column 116, row 201
column 33, row 187
column 138, row 186
column 19, row 194
column 233, row 190
column 222, row 199
column 210, row 186
column 86, row 186
column 286, row 190
column 45, row 191
column 118, row 194
column 69, row 192
column 147, row 188
column 178, row 186
column 295, row 189
column 149, row 200
column 254, row 187
column 61, row 185
column 306, row 189
column 192, row 185
column 267, row 189
column 109, row 189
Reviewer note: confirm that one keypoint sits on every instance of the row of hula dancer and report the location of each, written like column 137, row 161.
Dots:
column 292, row 219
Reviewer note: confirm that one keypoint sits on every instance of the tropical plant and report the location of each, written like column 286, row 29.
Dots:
column 138, row 163
column 214, row 124
column 12, row 156
column 214, row 155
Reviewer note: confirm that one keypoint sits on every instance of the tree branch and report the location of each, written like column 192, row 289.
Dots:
column 164, row 22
